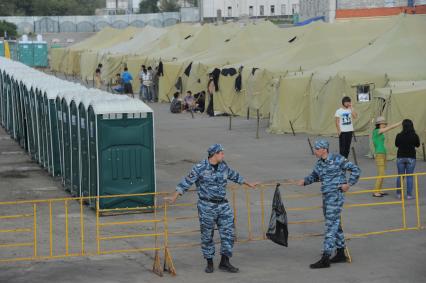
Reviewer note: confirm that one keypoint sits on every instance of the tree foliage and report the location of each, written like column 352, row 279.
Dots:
column 49, row 7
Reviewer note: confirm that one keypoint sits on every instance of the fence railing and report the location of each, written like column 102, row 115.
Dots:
column 64, row 227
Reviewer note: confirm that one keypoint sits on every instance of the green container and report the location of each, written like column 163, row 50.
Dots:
column 295, row 18
column 75, row 146
column 53, row 158
column 40, row 54
column 66, row 140
column 26, row 53
column 121, row 134
column 33, row 117
column 93, row 95
column 58, row 105
column 1, row 48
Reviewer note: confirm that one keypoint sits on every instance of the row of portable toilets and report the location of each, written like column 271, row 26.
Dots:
column 100, row 144
column 31, row 53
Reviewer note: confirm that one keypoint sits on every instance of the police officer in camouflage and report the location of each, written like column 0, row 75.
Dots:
column 210, row 177
column 331, row 170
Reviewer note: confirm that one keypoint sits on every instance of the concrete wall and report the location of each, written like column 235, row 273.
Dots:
column 317, row 8
column 363, row 4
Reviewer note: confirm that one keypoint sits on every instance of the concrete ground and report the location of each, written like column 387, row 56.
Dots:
column 181, row 141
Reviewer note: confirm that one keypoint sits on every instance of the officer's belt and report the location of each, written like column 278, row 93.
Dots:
column 216, row 201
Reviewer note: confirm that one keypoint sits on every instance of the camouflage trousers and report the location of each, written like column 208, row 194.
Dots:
column 211, row 214
column 333, row 234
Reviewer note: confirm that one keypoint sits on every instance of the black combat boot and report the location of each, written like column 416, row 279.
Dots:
column 209, row 267
column 324, row 262
column 225, row 265
column 340, row 256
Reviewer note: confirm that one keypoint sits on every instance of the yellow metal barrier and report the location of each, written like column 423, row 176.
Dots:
column 35, row 221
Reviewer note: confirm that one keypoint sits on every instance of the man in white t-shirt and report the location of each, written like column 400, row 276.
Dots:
column 344, row 124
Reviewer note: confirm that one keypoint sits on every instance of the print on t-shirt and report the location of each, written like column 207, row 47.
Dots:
column 346, row 119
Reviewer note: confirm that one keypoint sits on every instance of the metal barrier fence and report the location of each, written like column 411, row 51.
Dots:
column 31, row 229
column 91, row 23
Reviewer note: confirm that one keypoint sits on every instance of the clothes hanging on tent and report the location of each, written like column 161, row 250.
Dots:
column 187, row 71
column 216, row 74
column 228, row 72
column 160, row 70
column 238, row 83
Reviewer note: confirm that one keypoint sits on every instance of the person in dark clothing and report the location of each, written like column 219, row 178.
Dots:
column 406, row 142
column 127, row 79
column 176, row 105
column 200, row 100
column 344, row 125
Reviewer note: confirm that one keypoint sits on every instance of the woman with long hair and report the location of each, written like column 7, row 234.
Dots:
column 406, row 142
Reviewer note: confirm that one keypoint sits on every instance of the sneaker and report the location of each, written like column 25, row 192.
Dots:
column 410, row 197
column 398, row 196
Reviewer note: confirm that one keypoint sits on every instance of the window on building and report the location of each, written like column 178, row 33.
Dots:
column 262, row 10
column 219, row 13
column 283, row 9
column 272, row 10
column 229, row 11
column 295, row 8
column 363, row 93
column 251, row 11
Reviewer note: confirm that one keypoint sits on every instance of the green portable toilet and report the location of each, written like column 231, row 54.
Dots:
column 2, row 48
column 26, row 53
column 74, row 144
column 121, row 148
column 53, row 127
column 92, row 96
column 40, row 54
column 68, row 123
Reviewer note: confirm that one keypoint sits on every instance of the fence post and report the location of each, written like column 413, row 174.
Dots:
column 292, row 129
column 258, row 123
column 310, row 146
column 354, row 154
column 35, row 229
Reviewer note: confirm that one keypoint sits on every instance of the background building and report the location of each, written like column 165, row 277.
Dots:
column 340, row 9
column 251, row 8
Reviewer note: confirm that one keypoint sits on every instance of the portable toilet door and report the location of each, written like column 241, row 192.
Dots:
column 16, row 112
column 34, row 118
column 40, row 54
column 41, row 127
column 67, row 123
column 66, row 145
column 22, row 125
column 122, row 153
column 75, row 146
column 28, row 121
column 52, row 132
column 26, row 53
column 92, row 96
column 58, row 105
column 1, row 48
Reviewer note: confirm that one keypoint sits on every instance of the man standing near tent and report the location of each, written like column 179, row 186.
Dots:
column 211, row 176
column 344, row 125
column 127, row 79
column 330, row 170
